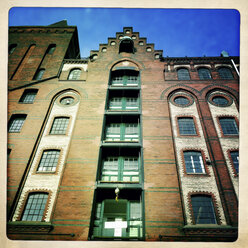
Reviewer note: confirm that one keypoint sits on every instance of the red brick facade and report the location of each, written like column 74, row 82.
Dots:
column 80, row 187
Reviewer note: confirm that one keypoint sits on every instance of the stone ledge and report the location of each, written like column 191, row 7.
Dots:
column 29, row 227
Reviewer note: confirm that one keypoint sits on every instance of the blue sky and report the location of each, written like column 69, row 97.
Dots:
column 178, row 32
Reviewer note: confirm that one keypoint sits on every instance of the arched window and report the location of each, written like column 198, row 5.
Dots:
column 183, row 74
column 126, row 45
column 225, row 73
column 39, row 74
column 12, row 48
column 204, row 73
column 51, row 48
column 74, row 74
column 35, row 206
column 203, row 209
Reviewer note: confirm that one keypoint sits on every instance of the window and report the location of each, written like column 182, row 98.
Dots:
column 186, row 126
column 74, row 74
column 122, row 132
column 225, row 73
column 49, row 161
column 181, row 100
column 183, row 74
column 203, row 209
column 28, row 96
column 51, row 48
column 39, row 74
column 229, row 126
column 126, row 45
column 220, row 101
column 68, row 100
column 12, row 48
column 193, row 162
column 204, row 73
column 59, row 125
column 118, row 219
column 35, row 206
column 235, row 160
column 125, row 78
column 124, row 169
column 124, row 103
column 16, row 122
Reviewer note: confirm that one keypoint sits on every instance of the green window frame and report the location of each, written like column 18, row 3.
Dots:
column 129, row 132
column 124, row 103
column 118, row 219
column 125, row 78
column 121, row 169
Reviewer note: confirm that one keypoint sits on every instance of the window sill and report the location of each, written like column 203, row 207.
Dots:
column 210, row 229
column 29, row 227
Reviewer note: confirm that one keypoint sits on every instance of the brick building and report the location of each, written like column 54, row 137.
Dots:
column 123, row 145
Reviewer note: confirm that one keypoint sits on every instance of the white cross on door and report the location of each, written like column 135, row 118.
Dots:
column 118, row 224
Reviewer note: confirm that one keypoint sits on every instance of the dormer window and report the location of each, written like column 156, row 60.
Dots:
column 126, row 45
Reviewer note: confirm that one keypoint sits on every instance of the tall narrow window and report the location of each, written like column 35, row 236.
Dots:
column 229, row 126
column 186, row 126
column 203, row 209
column 59, row 125
column 74, row 74
column 23, row 62
column 16, row 122
column 39, row 74
column 49, row 161
column 183, row 74
column 235, row 160
column 35, row 206
column 193, row 162
column 225, row 73
column 28, row 96
column 204, row 73
column 12, row 48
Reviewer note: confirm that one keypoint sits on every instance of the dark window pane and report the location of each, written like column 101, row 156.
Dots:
column 186, row 126
column 225, row 73
column 220, row 100
column 229, row 126
column 181, row 100
column 235, row 160
column 204, row 73
column 203, row 210
column 183, row 74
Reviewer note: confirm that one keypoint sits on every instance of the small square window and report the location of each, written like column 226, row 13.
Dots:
column 16, row 122
column 59, row 125
column 229, row 126
column 186, row 126
column 28, row 96
column 49, row 161
column 193, row 162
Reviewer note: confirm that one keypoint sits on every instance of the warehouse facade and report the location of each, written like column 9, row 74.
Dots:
column 123, row 145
